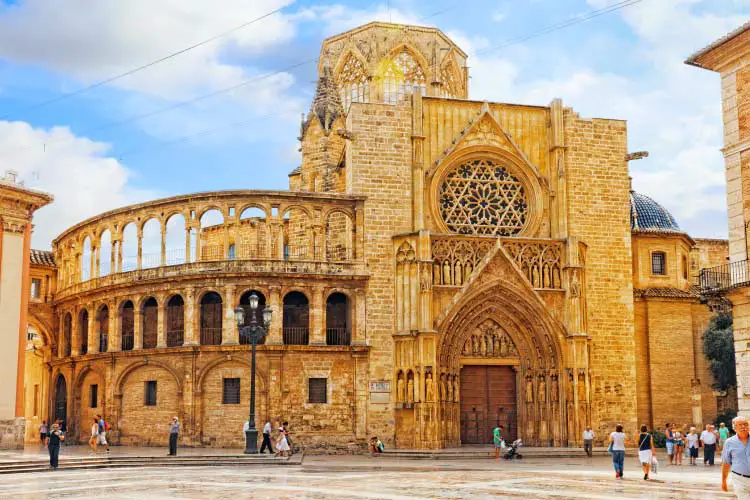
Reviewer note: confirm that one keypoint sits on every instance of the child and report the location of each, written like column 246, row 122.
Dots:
column 376, row 446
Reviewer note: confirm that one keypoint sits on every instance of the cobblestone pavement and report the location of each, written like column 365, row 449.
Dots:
column 366, row 478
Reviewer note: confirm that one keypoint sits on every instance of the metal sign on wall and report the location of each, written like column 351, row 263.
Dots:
column 380, row 391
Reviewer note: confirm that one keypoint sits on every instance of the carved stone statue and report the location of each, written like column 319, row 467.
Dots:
column 529, row 390
column 542, row 390
column 429, row 388
column 581, row 388
column 410, row 390
column 449, row 396
column 455, row 389
column 401, row 388
column 443, row 389
column 555, row 389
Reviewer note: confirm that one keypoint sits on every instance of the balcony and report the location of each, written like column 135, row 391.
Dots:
column 726, row 277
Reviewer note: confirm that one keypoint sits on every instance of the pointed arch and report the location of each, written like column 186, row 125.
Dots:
column 451, row 77
column 403, row 72
column 352, row 78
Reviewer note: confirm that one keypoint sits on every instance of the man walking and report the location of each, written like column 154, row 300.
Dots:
column 670, row 442
column 708, row 439
column 266, row 439
column 103, row 428
column 174, row 431
column 736, row 459
column 55, row 437
column 588, row 441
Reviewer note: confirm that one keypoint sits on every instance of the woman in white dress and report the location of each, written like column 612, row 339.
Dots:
column 282, row 446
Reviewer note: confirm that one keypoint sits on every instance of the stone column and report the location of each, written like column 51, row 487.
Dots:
column 230, row 334
column 112, row 252
column 93, row 334
column 317, row 330
column 188, row 255
column 114, row 331
column 60, row 335
column 140, row 248
column 75, row 334
column 191, row 333
column 359, row 331
column 119, row 256
column 163, row 243
column 96, row 252
column 275, row 336
column 138, row 326
column 359, row 232
column 161, row 329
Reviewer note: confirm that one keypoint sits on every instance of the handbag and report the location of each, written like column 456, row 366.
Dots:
column 609, row 448
column 654, row 465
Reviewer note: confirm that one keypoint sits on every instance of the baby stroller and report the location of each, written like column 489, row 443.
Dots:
column 512, row 451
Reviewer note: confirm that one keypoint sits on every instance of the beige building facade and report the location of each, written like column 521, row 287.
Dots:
column 439, row 266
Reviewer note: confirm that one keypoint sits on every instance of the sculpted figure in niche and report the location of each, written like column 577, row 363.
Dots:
column 542, row 390
column 401, row 388
column 529, row 390
column 455, row 388
column 443, row 389
column 429, row 388
column 482, row 345
column 570, row 388
column 450, row 389
column 555, row 389
column 410, row 388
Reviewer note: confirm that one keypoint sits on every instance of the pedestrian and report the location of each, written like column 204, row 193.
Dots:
column 94, row 436
column 174, row 432
column 282, row 446
column 693, row 442
column 708, row 440
column 617, row 444
column 669, row 433
column 266, row 439
column 497, row 440
column 376, row 446
column 289, row 441
column 735, row 458
column 723, row 435
column 679, row 447
column 588, row 441
column 645, row 450
column 43, row 431
column 54, row 438
column 103, row 428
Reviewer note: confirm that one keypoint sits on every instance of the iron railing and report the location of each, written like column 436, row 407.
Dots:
column 127, row 342
column 296, row 335
column 210, row 336
column 175, row 338
column 715, row 280
column 338, row 336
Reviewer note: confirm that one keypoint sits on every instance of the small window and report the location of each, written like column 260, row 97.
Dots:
column 658, row 263
column 93, row 395
column 36, row 288
column 231, row 395
column 150, row 399
column 318, row 393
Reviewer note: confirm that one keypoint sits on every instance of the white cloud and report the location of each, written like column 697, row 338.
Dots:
column 499, row 16
column 83, row 180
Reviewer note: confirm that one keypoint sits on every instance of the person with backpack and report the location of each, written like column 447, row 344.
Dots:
column 103, row 430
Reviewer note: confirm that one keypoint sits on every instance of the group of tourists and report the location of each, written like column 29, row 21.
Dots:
column 282, row 440
column 99, row 429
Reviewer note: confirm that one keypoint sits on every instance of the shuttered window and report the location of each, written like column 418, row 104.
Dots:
column 317, row 390
column 231, row 395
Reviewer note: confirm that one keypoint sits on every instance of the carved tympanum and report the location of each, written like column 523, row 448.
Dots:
column 491, row 341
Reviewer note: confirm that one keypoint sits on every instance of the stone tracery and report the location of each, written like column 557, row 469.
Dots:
column 482, row 197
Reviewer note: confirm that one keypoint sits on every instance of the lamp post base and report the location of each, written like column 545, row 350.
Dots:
column 251, row 442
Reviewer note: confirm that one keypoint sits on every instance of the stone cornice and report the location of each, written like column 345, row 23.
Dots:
column 723, row 51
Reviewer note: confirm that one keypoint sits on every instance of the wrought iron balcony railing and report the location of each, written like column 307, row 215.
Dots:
column 719, row 279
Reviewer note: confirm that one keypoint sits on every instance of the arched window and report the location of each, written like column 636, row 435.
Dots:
column 353, row 82
column 150, row 323
column 402, row 76
column 211, row 319
column 103, row 325
column 83, row 331
column 127, row 326
column 338, row 320
column 245, row 303
column 61, row 399
column 296, row 327
column 67, row 333
column 232, row 254
column 175, row 321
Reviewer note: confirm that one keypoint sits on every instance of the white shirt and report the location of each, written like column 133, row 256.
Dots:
column 692, row 440
column 94, row 430
column 267, row 428
column 619, row 441
column 708, row 437
column 588, row 435
column 246, row 427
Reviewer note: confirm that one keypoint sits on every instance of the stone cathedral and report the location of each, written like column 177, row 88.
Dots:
column 438, row 266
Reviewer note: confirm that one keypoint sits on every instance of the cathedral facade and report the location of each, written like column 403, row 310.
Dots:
column 439, row 266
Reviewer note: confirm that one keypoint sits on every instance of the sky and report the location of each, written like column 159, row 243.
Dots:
column 226, row 115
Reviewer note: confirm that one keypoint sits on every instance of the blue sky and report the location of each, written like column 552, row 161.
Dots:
column 93, row 152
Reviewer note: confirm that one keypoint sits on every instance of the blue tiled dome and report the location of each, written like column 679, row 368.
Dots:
column 647, row 215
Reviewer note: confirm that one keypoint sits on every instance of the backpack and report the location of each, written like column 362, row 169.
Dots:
column 106, row 426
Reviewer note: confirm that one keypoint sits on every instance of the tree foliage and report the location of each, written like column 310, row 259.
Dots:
column 718, row 346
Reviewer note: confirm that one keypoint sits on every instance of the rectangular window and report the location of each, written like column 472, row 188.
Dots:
column 658, row 263
column 36, row 288
column 93, row 396
column 150, row 396
column 36, row 399
column 317, row 390
column 231, row 394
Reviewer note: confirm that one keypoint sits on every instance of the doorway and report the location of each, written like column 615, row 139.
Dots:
column 61, row 399
column 488, row 399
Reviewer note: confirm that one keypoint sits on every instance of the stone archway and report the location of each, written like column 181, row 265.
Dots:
column 505, row 333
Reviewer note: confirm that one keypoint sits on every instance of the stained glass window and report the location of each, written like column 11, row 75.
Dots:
column 482, row 197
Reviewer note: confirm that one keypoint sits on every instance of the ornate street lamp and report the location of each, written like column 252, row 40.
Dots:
column 255, row 332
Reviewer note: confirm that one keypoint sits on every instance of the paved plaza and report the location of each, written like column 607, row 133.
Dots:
column 363, row 477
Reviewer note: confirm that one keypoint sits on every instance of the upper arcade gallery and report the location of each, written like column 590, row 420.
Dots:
column 438, row 266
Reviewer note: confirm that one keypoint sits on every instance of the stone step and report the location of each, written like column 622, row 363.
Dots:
column 484, row 453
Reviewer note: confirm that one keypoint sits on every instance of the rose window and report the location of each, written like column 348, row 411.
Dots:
column 481, row 197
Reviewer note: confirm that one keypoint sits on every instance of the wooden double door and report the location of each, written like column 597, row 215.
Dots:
column 488, row 399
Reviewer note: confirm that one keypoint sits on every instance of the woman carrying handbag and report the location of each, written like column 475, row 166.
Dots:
column 645, row 450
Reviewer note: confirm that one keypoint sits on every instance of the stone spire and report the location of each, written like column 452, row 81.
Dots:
column 327, row 102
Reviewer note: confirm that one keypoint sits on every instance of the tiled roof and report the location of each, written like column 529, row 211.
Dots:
column 296, row 171
column 674, row 293
column 648, row 216
column 42, row 258
column 732, row 34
